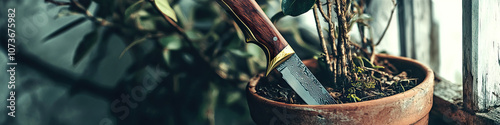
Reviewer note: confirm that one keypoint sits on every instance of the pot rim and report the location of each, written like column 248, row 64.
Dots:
column 429, row 76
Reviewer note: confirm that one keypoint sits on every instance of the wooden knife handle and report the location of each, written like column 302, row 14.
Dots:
column 259, row 29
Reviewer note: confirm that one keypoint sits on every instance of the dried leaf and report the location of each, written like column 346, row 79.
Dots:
column 166, row 56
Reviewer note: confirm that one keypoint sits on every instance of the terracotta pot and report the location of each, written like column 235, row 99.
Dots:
column 410, row 107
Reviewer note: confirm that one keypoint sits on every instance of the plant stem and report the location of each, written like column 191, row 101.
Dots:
column 321, row 37
column 343, row 45
column 318, row 3
column 177, row 28
column 331, row 31
column 87, row 13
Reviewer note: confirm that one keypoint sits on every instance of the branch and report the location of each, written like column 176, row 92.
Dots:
column 321, row 37
column 360, row 48
column 89, row 15
column 318, row 3
column 388, row 22
column 383, row 73
column 372, row 49
column 204, row 61
column 344, row 52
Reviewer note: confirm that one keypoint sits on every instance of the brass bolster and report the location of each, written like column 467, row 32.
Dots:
column 286, row 53
column 271, row 64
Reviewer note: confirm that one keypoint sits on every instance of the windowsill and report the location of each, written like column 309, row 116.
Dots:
column 448, row 105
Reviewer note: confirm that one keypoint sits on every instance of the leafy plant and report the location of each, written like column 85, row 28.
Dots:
column 351, row 66
column 195, row 41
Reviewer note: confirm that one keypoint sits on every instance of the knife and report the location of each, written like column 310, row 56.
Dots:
column 258, row 29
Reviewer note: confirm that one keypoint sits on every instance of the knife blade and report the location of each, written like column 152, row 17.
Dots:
column 258, row 29
column 303, row 82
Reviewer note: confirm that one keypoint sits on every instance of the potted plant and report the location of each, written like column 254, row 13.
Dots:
column 369, row 88
column 409, row 99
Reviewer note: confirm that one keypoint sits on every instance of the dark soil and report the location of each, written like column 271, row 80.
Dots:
column 388, row 81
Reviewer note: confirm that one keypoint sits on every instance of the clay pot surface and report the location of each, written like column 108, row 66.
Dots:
column 410, row 107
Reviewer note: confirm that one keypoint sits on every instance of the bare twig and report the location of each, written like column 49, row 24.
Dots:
column 388, row 22
column 343, row 46
column 318, row 3
column 360, row 48
column 89, row 15
column 331, row 30
column 321, row 37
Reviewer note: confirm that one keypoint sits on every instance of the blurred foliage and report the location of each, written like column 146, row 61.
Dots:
column 195, row 41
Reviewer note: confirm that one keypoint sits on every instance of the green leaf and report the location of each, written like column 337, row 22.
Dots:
column 368, row 63
column 296, row 7
column 85, row 45
column 106, row 2
column 172, row 42
column 105, row 8
column 146, row 23
column 132, row 45
column 133, row 8
column 64, row 28
column 165, row 9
